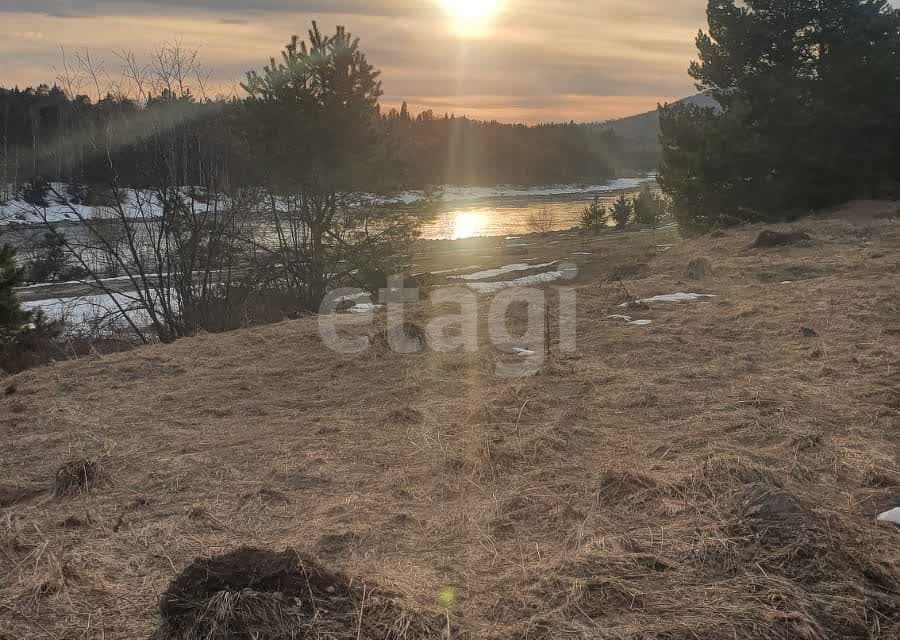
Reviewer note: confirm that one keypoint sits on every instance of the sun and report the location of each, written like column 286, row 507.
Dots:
column 470, row 12
column 468, row 224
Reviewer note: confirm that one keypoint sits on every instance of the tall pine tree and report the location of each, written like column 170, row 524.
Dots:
column 810, row 97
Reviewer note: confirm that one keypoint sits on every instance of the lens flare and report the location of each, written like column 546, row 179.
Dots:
column 468, row 224
column 470, row 12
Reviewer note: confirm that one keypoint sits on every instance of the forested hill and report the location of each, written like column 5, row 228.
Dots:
column 428, row 149
column 640, row 134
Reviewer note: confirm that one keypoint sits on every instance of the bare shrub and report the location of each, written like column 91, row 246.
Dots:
column 542, row 221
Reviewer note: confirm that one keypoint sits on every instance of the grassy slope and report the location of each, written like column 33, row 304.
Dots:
column 606, row 497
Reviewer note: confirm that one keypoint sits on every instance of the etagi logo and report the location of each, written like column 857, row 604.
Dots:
column 457, row 323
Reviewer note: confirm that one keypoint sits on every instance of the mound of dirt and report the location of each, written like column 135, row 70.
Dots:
column 777, row 533
column 768, row 239
column 253, row 594
column 76, row 477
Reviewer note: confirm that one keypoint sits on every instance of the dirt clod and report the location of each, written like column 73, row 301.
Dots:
column 768, row 239
column 73, row 522
column 263, row 595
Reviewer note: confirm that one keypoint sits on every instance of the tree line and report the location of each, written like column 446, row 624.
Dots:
column 51, row 135
column 432, row 150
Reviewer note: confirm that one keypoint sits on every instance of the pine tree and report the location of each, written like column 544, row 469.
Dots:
column 12, row 317
column 26, row 338
column 594, row 217
column 810, row 97
column 622, row 211
column 312, row 119
column 648, row 207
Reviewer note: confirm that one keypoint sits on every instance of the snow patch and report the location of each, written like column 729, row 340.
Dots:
column 466, row 194
column 446, row 271
column 364, row 307
column 500, row 271
column 86, row 311
column 672, row 297
column 629, row 321
column 527, row 281
column 892, row 516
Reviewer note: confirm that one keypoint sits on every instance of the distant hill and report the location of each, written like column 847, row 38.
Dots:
column 640, row 134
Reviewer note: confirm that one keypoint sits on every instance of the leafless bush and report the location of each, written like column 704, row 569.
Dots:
column 542, row 221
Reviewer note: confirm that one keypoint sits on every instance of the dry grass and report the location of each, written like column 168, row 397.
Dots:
column 714, row 475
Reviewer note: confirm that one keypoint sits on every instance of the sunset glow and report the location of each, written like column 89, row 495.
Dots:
column 509, row 60
column 468, row 224
column 470, row 12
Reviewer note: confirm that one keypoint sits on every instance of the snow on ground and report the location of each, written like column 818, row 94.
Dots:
column 463, row 194
column 42, row 285
column 137, row 204
column 446, row 271
column 89, row 311
column 631, row 323
column 470, row 194
column 500, row 271
column 364, row 307
column 144, row 204
column 527, row 281
column 672, row 297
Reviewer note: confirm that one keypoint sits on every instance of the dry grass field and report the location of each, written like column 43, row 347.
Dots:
column 714, row 475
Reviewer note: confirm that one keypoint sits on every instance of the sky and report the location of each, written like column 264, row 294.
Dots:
column 528, row 61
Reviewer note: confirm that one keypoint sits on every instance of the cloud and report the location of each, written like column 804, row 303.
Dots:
column 579, row 59
column 27, row 35
column 88, row 8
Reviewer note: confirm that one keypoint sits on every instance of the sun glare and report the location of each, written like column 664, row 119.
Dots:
column 470, row 13
column 467, row 224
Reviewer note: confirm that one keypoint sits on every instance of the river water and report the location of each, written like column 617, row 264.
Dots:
column 502, row 211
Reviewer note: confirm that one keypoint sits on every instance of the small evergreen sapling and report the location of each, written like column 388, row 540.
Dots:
column 622, row 211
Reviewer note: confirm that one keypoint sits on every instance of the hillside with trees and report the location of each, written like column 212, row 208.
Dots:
column 638, row 135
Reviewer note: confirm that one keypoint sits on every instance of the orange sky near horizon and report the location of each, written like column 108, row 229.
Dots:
column 534, row 61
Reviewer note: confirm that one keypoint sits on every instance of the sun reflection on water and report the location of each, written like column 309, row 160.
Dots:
column 468, row 224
